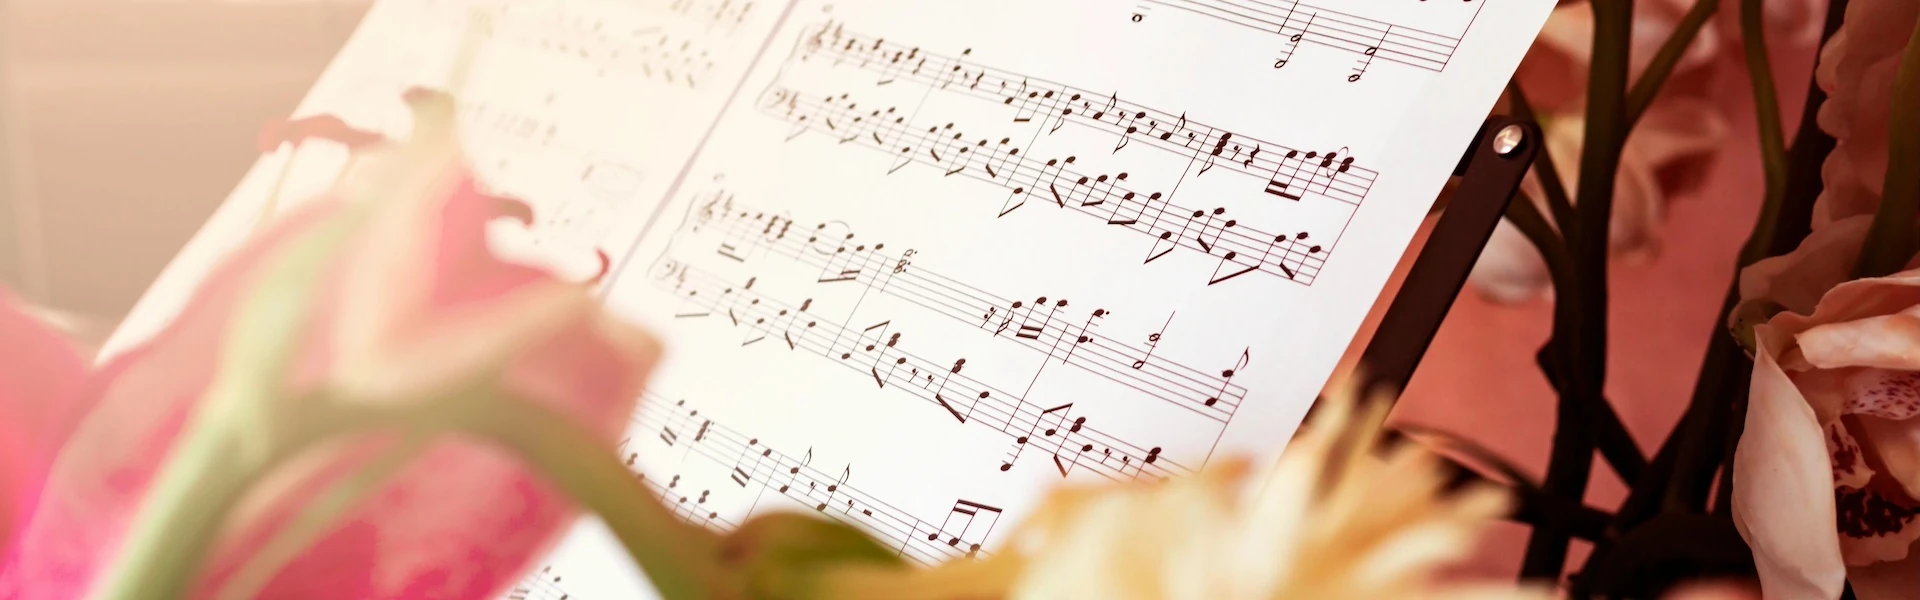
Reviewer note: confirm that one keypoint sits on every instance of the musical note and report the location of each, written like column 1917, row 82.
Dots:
column 834, row 488
column 1285, row 173
column 938, row 397
column 1367, row 54
column 1293, row 41
column 1304, row 22
column 964, row 520
column 1043, row 326
column 1153, row 342
column 742, row 474
column 1226, row 377
column 959, row 533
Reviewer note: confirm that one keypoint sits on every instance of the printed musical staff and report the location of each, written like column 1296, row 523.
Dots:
column 831, row 493
column 609, row 47
column 1297, row 22
column 976, row 402
column 1239, row 248
column 1043, row 325
column 1055, row 105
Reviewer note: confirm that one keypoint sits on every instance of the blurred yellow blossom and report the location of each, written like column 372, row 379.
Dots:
column 1339, row 517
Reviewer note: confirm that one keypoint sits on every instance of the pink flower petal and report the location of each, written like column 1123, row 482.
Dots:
column 1799, row 279
column 1783, row 489
column 323, row 127
column 1879, row 342
column 1876, row 524
column 1849, row 462
column 1893, row 395
column 417, row 284
column 41, row 377
column 1897, row 444
column 140, row 402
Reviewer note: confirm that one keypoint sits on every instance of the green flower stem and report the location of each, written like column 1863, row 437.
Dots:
column 1892, row 242
column 318, row 519
column 1557, row 199
column 681, row 560
column 1773, row 146
column 177, row 527
column 1664, row 60
column 229, row 441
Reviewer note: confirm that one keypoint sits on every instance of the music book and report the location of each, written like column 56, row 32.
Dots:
column 917, row 262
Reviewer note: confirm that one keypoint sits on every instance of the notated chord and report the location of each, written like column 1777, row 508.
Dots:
column 1066, row 333
column 1240, row 249
column 1300, row 22
column 874, row 351
column 960, row 533
column 1053, row 105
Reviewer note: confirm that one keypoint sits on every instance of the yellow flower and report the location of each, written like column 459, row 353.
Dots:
column 1337, row 518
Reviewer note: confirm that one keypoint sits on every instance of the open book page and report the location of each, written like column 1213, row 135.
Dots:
column 919, row 262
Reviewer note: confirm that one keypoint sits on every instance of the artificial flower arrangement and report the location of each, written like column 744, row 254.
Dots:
column 364, row 402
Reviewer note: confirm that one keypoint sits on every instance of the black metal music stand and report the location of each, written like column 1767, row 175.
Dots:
column 1490, row 173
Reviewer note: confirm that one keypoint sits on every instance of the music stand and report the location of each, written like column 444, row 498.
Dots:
column 1490, row 173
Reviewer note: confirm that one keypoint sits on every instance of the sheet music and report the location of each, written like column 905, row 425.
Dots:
column 918, row 262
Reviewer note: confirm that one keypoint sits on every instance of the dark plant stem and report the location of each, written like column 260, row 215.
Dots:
column 1658, row 69
column 1892, row 241
column 1766, row 110
column 1811, row 145
column 1580, row 323
column 1559, row 204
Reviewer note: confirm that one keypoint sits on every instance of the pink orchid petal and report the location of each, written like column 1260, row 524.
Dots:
column 1897, row 443
column 1799, row 279
column 1783, row 489
column 1857, row 69
column 1880, row 342
column 1895, row 580
column 41, row 377
column 1825, row 389
column 1877, row 524
column 1891, row 395
column 1849, row 461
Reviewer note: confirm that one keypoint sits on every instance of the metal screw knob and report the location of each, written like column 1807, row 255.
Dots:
column 1508, row 139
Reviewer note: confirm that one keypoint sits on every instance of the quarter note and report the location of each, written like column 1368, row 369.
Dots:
column 1226, row 377
column 793, row 473
column 834, row 488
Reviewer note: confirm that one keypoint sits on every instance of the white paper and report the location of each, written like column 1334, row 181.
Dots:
column 918, row 262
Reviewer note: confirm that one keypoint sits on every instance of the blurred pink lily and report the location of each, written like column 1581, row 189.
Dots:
column 408, row 304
